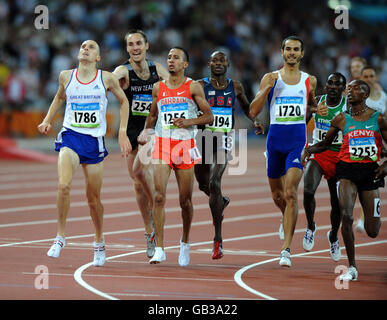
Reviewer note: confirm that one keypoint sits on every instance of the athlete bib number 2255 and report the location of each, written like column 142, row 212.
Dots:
column 85, row 115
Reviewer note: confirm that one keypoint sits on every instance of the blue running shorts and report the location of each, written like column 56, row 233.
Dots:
column 90, row 149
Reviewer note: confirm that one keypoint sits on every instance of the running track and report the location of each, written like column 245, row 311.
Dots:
column 249, row 269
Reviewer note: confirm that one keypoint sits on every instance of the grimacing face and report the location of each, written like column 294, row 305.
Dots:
column 136, row 46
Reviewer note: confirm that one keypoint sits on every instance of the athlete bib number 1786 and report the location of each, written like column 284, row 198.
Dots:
column 85, row 115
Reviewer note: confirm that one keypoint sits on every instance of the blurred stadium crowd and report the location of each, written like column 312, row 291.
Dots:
column 250, row 31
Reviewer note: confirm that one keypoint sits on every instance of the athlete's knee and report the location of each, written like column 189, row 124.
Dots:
column 290, row 194
column 278, row 198
column 203, row 187
column 64, row 189
column 185, row 203
column 159, row 199
column 347, row 221
column 372, row 230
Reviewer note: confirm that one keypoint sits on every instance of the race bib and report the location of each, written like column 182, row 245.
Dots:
column 172, row 111
column 141, row 104
column 222, row 119
column 321, row 132
column 363, row 149
column 85, row 115
column 289, row 109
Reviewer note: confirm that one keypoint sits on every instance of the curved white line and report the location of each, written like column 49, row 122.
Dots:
column 239, row 273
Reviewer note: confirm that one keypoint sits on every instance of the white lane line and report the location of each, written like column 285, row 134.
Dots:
column 79, row 271
column 175, row 195
column 239, row 273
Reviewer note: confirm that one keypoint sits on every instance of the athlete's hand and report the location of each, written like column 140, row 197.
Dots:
column 181, row 122
column 271, row 79
column 305, row 156
column 381, row 171
column 322, row 109
column 124, row 143
column 44, row 127
column 259, row 128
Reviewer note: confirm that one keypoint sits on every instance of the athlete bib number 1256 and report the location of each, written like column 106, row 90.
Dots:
column 172, row 111
column 85, row 115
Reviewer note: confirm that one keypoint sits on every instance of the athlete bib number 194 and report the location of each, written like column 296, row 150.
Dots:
column 85, row 115
column 222, row 119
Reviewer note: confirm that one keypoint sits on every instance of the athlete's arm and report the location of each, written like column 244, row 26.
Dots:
column 265, row 86
column 337, row 124
column 57, row 102
column 161, row 71
column 151, row 119
column 321, row 108
column 382, row 170
column 197, row 94
column 122, row 73
column 242, row 99
column 111, row 82
column 309, row 112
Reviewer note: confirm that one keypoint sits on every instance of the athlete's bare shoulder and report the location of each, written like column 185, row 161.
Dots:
column 161, row 71
column 65, row 76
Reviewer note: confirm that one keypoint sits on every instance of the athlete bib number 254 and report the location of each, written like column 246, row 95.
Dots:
column 85, row 115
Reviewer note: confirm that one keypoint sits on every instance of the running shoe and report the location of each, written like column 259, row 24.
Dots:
column 99, row 254
column 350, row 275
column 285, row 259
column 158, row 256
column 308, row 241
column 59, row 244
column 359, row 225
column 150, row 244
column 335, row 248
column 217, row 251
column 184, row 254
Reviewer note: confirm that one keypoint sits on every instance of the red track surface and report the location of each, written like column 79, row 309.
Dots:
column 28, row 225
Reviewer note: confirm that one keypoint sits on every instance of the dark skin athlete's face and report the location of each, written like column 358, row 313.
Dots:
column 334, row 86
column 218, row 63
column 356, row 92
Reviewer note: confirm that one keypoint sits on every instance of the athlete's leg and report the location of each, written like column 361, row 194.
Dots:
column 292, row 179
column 312, row 178
column 202, row 175
column 142, row 197
column 94, row 174
column 335, row 214
column 162, row 172
column 347, row 198
column 185, row 179
column 217, row 202
column 277, row 187
column 370, row 202
column 68, row 162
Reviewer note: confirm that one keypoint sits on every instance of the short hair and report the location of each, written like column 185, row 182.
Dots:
column 292, row 38
column 360, row 59
column 185, row 52
column 131, row 31
column 340, row 75
column 364, row 85
column 368, row 67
